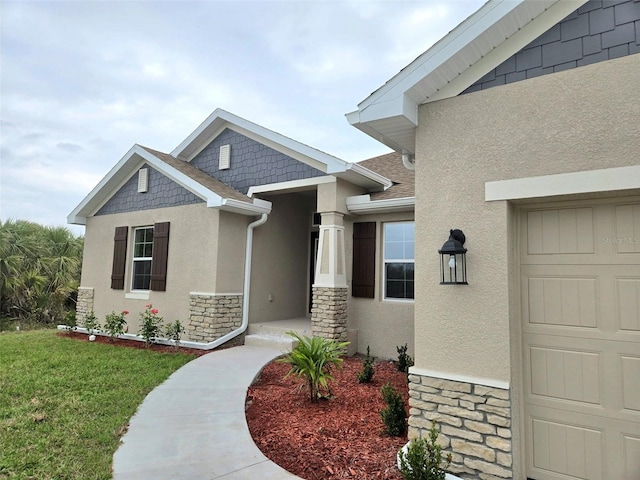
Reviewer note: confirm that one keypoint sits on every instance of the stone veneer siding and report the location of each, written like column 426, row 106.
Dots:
column 213, row 315
column 474, row 422
column 84, row 304
column 329, row 313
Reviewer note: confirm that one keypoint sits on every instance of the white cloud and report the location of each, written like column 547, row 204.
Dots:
column 83, row 81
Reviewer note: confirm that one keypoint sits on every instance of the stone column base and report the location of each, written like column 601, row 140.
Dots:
column 474, row 422
column 329, row 313
column 84, row 304
column 213, row 315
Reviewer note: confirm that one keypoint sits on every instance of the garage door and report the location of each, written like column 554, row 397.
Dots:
column 580, row 286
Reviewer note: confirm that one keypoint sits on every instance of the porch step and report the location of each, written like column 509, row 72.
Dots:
column 274, row 334
column 284, row 343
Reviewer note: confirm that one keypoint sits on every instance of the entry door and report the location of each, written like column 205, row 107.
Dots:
column 580, row 287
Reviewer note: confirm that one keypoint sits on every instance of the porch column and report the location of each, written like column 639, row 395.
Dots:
column 329, row 309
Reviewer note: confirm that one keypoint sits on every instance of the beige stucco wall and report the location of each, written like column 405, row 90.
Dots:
column 279, row 273
column 332, row 197
column 580, row 119
column 232, row 233
column 382, row 324
column 192, row 261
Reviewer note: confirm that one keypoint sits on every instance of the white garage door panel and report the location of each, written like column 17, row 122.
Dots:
column 576, row 446
column 580, row 297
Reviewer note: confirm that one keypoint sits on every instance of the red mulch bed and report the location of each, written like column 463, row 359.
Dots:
column 332, row 439
column 119, row 342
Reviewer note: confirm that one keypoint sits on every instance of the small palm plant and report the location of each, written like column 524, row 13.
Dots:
column 313, row 359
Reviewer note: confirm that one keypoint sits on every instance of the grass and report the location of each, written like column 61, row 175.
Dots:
column 64, row 404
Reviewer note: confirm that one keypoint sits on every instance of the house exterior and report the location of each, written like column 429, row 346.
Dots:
column 523, row 125
column 241, row 225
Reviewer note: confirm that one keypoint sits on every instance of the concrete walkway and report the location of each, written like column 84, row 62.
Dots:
column 193, row 425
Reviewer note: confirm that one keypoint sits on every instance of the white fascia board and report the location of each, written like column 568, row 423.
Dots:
column 362, row 205
column 79, row 214
column 374, row 177
column 591, row 181
column 258, row 207
column 290, row 186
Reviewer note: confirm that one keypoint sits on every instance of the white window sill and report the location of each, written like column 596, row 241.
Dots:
column 138, row 295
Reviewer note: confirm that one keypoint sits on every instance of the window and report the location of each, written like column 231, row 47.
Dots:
column 142, row 256
column 150, row 258
column 399, row 246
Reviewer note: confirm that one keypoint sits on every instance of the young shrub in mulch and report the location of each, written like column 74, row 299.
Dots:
column 114, row 324
column 174, row 332
column 366, row 375
column 394, row 414
column 422, row 458
column 91, row 323
column 404, row 360
column 313, row 359
column 150, row 325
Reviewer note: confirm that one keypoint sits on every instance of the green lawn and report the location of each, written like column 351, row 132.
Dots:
column 64, row 403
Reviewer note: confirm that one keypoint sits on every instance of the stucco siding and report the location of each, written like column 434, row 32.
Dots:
column 576, row 120
column 232, row 233
column 382, row 324
column 279, row 274
column 192, row 260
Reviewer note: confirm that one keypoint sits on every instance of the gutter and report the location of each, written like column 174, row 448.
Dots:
column 245, row 304
column 362, row 204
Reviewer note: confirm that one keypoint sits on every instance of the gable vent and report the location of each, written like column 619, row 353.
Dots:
column 143, row 180
column 225, row 157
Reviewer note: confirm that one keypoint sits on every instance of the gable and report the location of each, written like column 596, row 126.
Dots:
column 596, row 32
column 162, row 192
column 251, row 163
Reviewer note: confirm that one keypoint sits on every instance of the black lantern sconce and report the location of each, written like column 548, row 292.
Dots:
column 453, row 260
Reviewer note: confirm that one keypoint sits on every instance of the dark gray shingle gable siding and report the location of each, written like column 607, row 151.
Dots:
column 599, row 30
column 162, row 192
column 252, row 163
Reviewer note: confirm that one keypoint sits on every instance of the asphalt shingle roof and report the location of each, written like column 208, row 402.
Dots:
column 390, row 166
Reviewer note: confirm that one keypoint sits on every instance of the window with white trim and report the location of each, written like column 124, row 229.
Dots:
column 399, row 260
column 142, row 256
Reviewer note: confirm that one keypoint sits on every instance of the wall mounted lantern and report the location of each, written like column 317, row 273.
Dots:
column 453, row 260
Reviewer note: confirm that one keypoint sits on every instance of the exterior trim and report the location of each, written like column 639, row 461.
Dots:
column 499, row 29
column 605, row 180
column 488, row 382
column 137, row 295
column 292, row 185
column 362, row 204
column 221, row 119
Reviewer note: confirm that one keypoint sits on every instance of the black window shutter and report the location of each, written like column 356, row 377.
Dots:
column 364, row 260
column 159, row 257
column 119, row 258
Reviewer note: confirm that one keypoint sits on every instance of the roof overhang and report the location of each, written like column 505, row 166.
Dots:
column 363, row 205
column 498, row 30
column 220, row 120
column 129, row 165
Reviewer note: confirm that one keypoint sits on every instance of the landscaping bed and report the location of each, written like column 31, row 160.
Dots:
column 342, row 437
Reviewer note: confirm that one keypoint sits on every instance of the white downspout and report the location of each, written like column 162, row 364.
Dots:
column 245, row 303
column 409, row 161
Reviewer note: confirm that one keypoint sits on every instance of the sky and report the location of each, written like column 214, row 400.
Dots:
column 82, row 81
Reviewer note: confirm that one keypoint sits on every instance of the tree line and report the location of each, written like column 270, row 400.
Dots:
column 39, row 272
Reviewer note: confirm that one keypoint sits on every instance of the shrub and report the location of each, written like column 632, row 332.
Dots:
column 423, row 460
column 366, row 375
column 404, row 360
column 174, row 331
column 313, row 359
column 114, row 324
column 91, row 323
column 394, row 414
column 150, row 325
